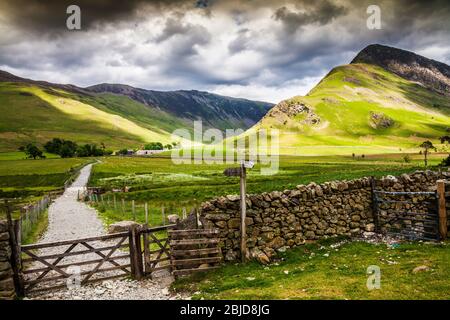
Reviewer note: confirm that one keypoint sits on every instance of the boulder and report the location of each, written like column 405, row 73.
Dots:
column 421, row 269
column 173, row 218
column 259, row 255
column 121, row 226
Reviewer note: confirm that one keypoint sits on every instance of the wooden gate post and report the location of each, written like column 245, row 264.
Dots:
column 137, row 270
column 16, row 260
column 375, row 209
column 442, row 209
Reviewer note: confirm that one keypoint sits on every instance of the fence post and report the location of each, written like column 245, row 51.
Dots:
column 136, row 266
column 146, row 213
column 16, row 263
column 442, row 209
column 374, row 205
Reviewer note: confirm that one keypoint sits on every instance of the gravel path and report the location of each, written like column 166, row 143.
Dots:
column 71, row 219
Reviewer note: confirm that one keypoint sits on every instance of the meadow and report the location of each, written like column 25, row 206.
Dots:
column 331, row 269
column 26, row 179
column 160, row 183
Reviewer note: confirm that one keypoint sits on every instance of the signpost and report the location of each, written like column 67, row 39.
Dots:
column 242, row 173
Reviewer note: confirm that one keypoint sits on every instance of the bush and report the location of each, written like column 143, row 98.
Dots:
column 407, row 158
column 154, row 146
column 446, row 162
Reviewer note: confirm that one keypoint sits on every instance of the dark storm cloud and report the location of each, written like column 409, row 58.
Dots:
column 189, row 44
column 315, row 12
column 50, row 15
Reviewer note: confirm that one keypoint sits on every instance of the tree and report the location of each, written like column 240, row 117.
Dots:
column 168, row 146
column 123, row 152
column 61, row 147
column 31, row 151
column 54, row 145
column 154, row 146
column 445, row 139
column 426, row 145
column 446, row 161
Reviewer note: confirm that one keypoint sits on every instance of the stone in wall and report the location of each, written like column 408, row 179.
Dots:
column 283, row 219
column 7, row 291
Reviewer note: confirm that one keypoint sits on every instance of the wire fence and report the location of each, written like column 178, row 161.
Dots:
column 30, row 214
column 144, row 212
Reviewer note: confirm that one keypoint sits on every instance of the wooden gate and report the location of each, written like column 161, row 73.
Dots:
column 194, row 250
column 51, row 265
column 156, row 249
column 409, row 215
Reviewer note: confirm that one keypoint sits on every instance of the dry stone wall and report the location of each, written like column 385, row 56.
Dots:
column 7, row 291
column 280, row 220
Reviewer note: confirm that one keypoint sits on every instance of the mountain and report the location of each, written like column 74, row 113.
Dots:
column 117, row 115
column 432, row 74
column 216, row 111
column 385, row 100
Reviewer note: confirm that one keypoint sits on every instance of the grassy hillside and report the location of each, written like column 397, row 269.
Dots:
column 34, row 114
column 359, row 108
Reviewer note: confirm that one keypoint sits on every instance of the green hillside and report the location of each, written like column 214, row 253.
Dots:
column 35, row 114
column 359, row 108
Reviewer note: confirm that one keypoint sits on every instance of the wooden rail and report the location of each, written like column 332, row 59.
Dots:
column 194, row 250
column 47, row 271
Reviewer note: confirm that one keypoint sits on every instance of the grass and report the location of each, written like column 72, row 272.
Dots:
column 26, row 180
column 41, row 114
column 37, row 229
column 319, row 271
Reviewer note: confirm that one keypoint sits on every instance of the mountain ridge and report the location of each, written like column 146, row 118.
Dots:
column 36, row 111
column 363, row 107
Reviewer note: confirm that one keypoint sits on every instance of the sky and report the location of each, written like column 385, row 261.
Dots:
column 256, row 49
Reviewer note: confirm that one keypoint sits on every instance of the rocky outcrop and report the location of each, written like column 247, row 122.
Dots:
column 379, row 120
column 430, row 73
column 291, row 109
column 282, row 219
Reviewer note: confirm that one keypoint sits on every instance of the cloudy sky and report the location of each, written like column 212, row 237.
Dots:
column 256, row 49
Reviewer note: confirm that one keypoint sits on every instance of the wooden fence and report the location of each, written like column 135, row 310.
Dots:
column 131, row 209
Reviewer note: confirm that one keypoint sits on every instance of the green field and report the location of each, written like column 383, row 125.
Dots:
column 27, row 179
column 322, row 271
column 159, row 182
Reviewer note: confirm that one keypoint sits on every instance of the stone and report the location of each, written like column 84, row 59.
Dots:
column 276, row 243
column 234, row 223
column 233, row 197
column 173, row 218
column 121, row 226
column 221, row 224
column 4, row 236
column 421, row 269
column 260, row 256
column 203, row 266
column 230, row 255
column 356, row 218
column 310, row 235
column 217, row 216
column 7, row 284
column 370, row 227
column 5, row 265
